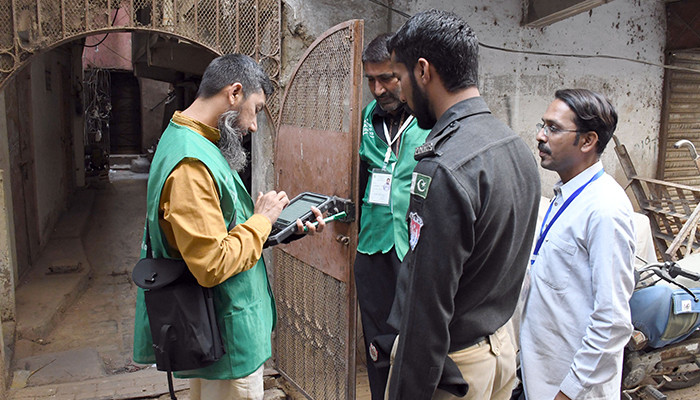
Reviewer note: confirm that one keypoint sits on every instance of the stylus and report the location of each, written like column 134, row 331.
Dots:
column 333, row 217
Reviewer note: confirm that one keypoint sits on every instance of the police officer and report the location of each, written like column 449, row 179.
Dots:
column 389, row 137
column 473, row 207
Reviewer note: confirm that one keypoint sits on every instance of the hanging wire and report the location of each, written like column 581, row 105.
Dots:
column 401, row 13
column 116, row 12
column 97, row 115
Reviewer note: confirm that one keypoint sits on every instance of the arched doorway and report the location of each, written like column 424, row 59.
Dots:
column 222, row 26
column 169, row 33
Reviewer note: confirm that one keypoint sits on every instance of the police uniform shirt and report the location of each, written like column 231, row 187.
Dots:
column 472, row 215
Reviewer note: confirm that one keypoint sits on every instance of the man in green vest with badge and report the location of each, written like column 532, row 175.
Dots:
column 390, row 136
column 199, row 210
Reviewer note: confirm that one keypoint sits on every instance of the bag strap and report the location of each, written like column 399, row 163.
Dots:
column 163, row 349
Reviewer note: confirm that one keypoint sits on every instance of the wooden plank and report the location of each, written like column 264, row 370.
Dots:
column 684, row 201
column 669, row 184
column 683, row 233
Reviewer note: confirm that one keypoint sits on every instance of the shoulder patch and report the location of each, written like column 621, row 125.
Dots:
column 414, row 227
column 420, row 184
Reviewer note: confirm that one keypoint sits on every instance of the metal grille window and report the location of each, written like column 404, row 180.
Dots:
column 251, row 27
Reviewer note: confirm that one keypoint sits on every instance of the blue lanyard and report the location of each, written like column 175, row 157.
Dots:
column 543, row 231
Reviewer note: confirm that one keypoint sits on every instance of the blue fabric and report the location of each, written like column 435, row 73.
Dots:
column 651, row 308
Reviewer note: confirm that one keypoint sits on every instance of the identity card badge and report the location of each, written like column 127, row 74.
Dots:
column 380, row 189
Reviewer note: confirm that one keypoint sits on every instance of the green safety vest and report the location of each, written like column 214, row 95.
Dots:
column 244, row 304
column 384, row 226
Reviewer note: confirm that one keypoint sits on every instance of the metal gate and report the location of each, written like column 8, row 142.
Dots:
column 252, row 27
column 317, row 150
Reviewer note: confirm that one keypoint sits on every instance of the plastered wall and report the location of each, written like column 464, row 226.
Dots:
column 52, row 137
column 519, row 86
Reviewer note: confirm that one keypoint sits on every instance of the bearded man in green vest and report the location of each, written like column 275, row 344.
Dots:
column 199, row 210
column 390, row 136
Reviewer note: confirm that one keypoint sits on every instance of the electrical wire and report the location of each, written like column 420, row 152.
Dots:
column 603, row 56
column 104, row 38
column 116, row 53
column 401, row 13
column 98, row 104
column 545, row 53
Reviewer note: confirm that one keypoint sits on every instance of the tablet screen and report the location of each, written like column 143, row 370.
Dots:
column 298, row 208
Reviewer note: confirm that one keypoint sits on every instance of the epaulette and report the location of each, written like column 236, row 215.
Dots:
column 424, row 150
column 429, row 149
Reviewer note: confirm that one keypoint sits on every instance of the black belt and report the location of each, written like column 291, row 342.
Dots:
column 476, row 341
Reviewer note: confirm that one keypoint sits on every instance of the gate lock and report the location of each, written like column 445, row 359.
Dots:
column 343, row 205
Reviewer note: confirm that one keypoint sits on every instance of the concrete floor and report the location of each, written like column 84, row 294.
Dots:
column 79, row 346
column 84, row 352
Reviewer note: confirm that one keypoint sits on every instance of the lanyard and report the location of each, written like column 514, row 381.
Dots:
column 561, row 210
column 390, row 141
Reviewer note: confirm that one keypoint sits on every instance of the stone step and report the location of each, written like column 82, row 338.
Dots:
column 57, row 279
column 59, row 275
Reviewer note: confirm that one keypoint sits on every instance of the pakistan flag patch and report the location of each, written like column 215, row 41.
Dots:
column 420, row 184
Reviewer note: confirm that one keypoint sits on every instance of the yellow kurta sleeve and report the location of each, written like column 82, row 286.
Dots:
column 194, row 226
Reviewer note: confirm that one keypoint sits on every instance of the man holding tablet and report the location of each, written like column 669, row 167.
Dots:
column 198, row 210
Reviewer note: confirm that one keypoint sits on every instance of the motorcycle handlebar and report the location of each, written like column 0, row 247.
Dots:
column 674, row 270
column 668, row 271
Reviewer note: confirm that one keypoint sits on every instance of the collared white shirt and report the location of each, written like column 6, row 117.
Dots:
column 576, row 319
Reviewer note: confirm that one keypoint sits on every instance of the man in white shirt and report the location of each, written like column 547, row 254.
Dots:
column 576, row 319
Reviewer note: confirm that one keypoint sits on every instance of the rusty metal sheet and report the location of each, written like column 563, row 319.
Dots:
column 318, row 161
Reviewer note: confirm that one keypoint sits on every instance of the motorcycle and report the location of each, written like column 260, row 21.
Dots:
column 664, row 350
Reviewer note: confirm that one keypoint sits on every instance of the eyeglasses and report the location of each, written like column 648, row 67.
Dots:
column 549, row 130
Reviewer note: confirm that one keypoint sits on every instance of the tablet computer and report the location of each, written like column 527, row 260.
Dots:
column 298, row 208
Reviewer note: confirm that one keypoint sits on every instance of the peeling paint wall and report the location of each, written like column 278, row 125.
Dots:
column 518, row 86
column 305, row 20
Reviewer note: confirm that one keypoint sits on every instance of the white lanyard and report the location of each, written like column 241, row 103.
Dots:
column 390, row 141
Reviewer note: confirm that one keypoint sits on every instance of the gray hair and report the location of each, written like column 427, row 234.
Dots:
column 232, row 68
column 376, row 51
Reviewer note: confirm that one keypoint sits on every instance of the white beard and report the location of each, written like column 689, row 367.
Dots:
column 230, row 141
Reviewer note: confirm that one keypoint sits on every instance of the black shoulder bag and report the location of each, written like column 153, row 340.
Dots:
column 180, row 313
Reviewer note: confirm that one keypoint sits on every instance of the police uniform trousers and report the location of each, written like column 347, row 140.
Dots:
column 488, row 367
column 249, row 387
column 375, row 282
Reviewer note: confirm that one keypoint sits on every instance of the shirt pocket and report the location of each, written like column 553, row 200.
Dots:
column 555, row 267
